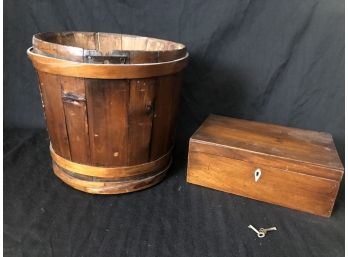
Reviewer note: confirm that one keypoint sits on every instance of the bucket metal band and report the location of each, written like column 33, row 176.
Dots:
column 62, row 67
column 112, row 172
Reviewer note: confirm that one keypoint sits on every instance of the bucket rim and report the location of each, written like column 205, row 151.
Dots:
column 64, row 67
column 38, row 37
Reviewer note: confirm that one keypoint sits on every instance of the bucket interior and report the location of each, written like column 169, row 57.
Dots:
column 108, row 41
column 76, row 46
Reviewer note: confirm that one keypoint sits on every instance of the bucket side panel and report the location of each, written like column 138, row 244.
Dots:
column 167, row 95
column 51, row 93
column 107, row 108
column 75, row 109
column 141, row 106
column 140, row 115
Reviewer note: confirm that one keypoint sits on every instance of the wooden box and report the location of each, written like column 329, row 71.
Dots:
column 294, row 168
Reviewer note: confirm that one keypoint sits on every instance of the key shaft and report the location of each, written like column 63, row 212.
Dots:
column 265, row 230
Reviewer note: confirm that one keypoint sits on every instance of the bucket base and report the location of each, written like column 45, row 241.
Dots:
column 110, row 180
column 95, row 185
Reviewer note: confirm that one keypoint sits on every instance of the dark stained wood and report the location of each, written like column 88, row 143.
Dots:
column 107, row 71
column 107, row 105
column 166, row 56
column 111, row 101
column 140, row 115
column 143, row 57
column 75, row 108
column 271, row 140
column 51, row 91
column 165, row 112
column 141, row 109
column 258, row 158
column 300, row 169
column 286, row 188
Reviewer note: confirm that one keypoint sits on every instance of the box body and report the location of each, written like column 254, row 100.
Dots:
column 290, row 167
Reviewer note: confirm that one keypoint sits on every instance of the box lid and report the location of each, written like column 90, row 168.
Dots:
column 277, row 144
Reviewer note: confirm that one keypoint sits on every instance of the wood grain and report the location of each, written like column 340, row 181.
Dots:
column 75, row 110
column 105, row 71
column 51, row 90
column 271, row 140
column 111, row 102
column 165, row 113
column 105, row 45
column 72, row 45
column 112, row 172
column 108, row 187
column 225, row 153
column 286, row 188
column 107, row 105
column 140, row 115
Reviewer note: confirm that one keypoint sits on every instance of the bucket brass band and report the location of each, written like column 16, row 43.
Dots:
column 62, row 67
column 110, row 180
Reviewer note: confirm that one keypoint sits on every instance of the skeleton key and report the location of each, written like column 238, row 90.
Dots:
column 265, row 230
column 260, row 234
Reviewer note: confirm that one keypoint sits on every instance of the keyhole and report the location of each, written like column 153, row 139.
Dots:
column 149, row 108
column 257, row 174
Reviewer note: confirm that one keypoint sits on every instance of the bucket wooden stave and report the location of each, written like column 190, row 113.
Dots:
column 110, row 103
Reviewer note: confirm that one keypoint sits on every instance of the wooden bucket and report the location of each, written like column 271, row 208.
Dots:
column 110, row 103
